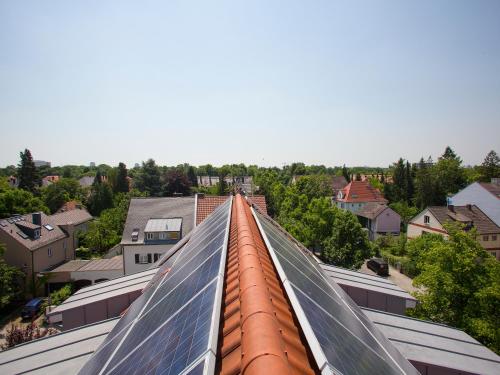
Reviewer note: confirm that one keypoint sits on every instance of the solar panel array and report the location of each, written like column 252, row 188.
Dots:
column 173, row 326
column 342, row 338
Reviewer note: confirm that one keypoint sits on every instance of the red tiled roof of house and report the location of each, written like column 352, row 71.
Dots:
column 206, row 204
column 259, row 333
column 360, row 191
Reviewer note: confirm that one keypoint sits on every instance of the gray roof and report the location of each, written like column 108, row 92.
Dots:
column 437, row 344
column 46, row 236
column 74, row 217
column 86, row 181
column 164, row 225
column 143, row 209
column 105, row 290
column 360, row 280
column 371, row 210
column 464, row 214
column 64, row 353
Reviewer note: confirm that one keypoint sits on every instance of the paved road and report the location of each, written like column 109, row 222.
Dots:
column 401, row 280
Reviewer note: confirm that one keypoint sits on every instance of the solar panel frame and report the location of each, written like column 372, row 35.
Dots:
column 320, row 356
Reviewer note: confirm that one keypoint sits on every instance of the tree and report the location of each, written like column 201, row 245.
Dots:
column 490, row 168
column 404, row 210
column 460, row 285
column 149, row 179
column 18, row 334
column 348, row 246
column 191, row 174
column 449, row 174
column 176, row 181
column 18, row 201
column 426, row 193
column 345, row 173
column 26, row 172
column 222, row 185
column 60, row 192
column 121, row 185
column 101, row 198
column 11, row 282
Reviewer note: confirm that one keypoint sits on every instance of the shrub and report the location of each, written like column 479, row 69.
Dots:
column 18, row 334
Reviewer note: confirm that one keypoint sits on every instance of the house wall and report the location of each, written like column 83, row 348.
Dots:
column 417, row 226
column 430, row 369
column 41, row 258
column 15, row 254
column 375, row 300
column 476, row 194
column 96, row 275
column 353, row 207
column 387, row 222
column 129, row 265
column 492, row 245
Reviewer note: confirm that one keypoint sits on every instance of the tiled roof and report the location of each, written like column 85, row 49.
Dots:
column 205, row 205
column 465, row 214
column 361, row 191
column 259, row 333
column 492, row 188
column 115, row 263
column 143, row 209
column 260, row 202
column 74, row 217
column 371, row 210
column 71, row 205
column 46, row 236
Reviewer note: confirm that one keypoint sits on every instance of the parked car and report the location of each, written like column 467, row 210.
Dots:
column 32, row 308
column 379, row 266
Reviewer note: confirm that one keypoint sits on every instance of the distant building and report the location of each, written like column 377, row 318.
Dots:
column 37, row 242
column 48, row 180
column 379, row 219
column 87, row 181
column 154, row 226
column 356, row 195
column 13, row 181
column 484, row 195
column 431, row 220
column 41, row 163
column 338, row 183
column 92, row 164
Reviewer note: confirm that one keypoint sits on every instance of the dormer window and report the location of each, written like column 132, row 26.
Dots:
column 36, row 233
column 427, row 219
column 150, row 236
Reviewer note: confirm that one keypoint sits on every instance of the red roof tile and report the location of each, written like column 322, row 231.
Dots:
column 259, row 201
column 205, row 205
column 259, row 333
column 360, row 191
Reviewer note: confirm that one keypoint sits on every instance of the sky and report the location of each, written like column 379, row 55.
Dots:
column 257, row 82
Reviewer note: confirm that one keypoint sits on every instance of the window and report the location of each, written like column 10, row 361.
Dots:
column 65, row 245
column 37, row 233
column 342, row 205
column 486, row 238
column 142, row 258
column 427, row 219
column 49, row 251
column 493, row 237
column 150, row 236
column 156, row 257
column 173, row 235
column 49, row 227
column 163, row 235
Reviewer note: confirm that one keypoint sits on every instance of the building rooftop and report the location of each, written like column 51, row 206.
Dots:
column 206, row 204
column 75, row 217
column 63, row 353
column 141, row 210
column 48, row 234
column 360, row 191
column 465, row 214
column 422, row 341
column 371, row 210
column 492, row 188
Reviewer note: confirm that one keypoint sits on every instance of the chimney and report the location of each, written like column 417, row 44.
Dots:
column 469, row 207
column 37, row 218
column 451, row 208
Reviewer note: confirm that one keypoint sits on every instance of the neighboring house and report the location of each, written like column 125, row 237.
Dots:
column 356, row 195
column 379, row 219
column 338, row 183
column 86, row 181
column 207, row 180
column 37, row 242
column 153, row 226
column 72, row 222
column 41, row 163
column 431, row 220
column 13, row 181
column 484, row 195
column 48, row 180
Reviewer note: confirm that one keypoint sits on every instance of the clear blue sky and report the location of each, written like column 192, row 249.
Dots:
column 265, row 82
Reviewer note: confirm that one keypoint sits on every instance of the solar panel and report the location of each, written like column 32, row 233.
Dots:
column 346, row 341
column 174, row 323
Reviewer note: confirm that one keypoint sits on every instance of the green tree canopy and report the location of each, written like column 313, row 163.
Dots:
column 176, row 181
column 60, row 192
column 490, row 168
column 18, row 201
column 121, row 185
column 29, row 179
column 148, row 179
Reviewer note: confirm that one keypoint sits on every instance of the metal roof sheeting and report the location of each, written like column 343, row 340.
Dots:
column 164, row 225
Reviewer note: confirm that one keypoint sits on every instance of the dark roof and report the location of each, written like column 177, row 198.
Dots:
column 465, row 214
column 73, row 217
column 492, row 188
column 361, row 191
column 9, row 227
column 371, row 210
column 338, row 183
column 143, row 209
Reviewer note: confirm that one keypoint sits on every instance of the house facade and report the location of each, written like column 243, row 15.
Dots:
column 154, row 226
column 356, row 195
column 486, row 196
column 431, row 220
column 37, row 242
column 380, row 220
